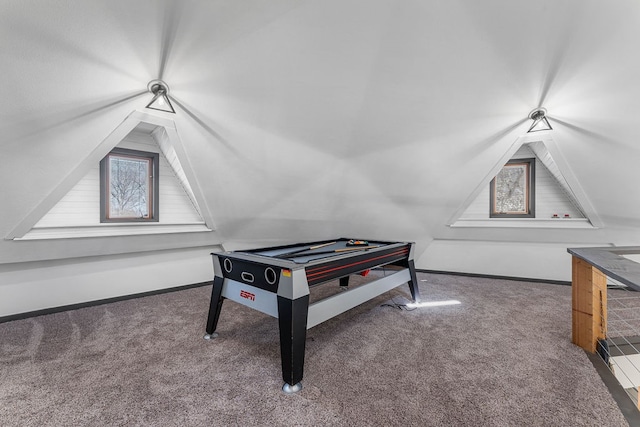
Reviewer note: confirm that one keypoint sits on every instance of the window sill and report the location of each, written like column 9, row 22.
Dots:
column 110, row 230
column 582, row 223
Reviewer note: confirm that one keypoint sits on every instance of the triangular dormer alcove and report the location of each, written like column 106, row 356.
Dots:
column 560, row 201
column 72, row 210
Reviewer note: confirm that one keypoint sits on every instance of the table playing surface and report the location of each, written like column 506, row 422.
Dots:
column 302, row 253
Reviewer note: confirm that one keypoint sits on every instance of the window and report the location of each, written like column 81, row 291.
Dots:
column 513, row 190
column 129, row 186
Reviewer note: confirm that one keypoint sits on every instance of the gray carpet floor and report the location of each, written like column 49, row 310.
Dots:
column 503, row 357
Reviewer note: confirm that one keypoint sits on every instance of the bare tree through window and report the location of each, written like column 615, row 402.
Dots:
column 512, row 190
column 129, row 186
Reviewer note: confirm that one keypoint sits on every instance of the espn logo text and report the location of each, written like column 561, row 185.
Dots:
column 247, row 295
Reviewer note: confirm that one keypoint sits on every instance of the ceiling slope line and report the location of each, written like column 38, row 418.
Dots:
column 542, row 153
column 515, row 146
column 191, row 178
column 112, row 140
column 574, row 185
column 544, row 148
column 49, row 201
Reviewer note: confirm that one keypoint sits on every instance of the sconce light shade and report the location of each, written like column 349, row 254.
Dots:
column 160, row 100
column 540, row 122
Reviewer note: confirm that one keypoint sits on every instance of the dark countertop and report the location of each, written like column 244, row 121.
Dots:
column 610, row 261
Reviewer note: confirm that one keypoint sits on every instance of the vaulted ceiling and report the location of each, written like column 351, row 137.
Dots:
column 320, row 118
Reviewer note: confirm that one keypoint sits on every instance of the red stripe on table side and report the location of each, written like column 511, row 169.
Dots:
column 312, row 273
column 399, row 251
column 321, row 274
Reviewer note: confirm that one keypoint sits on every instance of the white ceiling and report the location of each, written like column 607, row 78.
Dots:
column 320, row 118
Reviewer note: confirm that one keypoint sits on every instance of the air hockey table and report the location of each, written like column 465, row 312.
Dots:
column 278, row 280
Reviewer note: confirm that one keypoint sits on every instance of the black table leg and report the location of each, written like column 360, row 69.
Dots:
column 214, row 307
column 344, row 282
column 413, row 283
column 292, row 317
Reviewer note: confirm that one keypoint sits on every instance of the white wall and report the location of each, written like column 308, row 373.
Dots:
column 547, row 261
column 32, row 286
